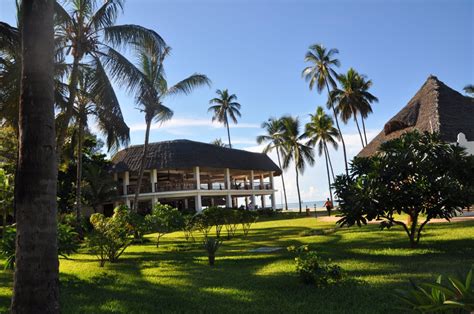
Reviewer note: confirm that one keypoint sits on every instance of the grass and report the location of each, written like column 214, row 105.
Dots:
column 176, row 277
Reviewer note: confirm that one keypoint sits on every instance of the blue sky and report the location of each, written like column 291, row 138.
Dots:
column 256, row 50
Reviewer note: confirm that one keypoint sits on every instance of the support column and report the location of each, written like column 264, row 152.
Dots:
column 252, row 197
column 228, row 197
column 264, row 202
column 197, row 200
column 154, row 200
column 186, row 203
column 126, row 181
column 212, row 201
column 153, row 175
column 272, row 196
column 197, row 177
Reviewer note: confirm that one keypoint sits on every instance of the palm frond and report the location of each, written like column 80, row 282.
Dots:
column 187, row 85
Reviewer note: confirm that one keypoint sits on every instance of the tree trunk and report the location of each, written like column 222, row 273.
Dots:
column 365, row 133
column 330, row 163
column 339, row 129
column 327, row 170
column 80, row 135
column 358, row 129
column 142, row 165
column 228, row 131
column 282, row 179
column 36, row 283
column 298, row 188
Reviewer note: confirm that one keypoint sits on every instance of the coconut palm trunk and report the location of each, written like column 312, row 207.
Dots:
column 329, row 160
column 142, row 164
column 327, row 170
column 339, row 129
column 298, row 188
column 282, row 178
column 35, row 288
column 363, row 128
column 80, row 135
column 358, row 129
column 228, row 130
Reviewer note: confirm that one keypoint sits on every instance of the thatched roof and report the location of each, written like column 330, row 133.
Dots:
column 185, row 154
column 434, row 108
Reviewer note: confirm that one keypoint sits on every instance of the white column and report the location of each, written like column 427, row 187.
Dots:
column 186, row 203
column 272, row 187
column 127, row 202
column 227, row 178
column 197, row 176
column 126, row 181
column 198, row 202
column 264, row 201
column 261, row 182
column 154, row 200
column 252, row 197
column 153, row 177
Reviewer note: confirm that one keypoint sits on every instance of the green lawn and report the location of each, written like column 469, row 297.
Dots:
column 150, row 280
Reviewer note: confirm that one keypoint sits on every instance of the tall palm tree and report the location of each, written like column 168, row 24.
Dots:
column 295, row 150
column 94, row 100
column 89, row 36
column 469, row 89
column 226, row 106
column 35, row 288
column 353, row 98
column 321, row 74
column 273, row 137
column 153, row 93
column 321, row 132
column 100, row 186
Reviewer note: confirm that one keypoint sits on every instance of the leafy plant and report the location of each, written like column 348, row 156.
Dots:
column 456, row 296
column 164, row 219
column 417, row 174
column 139, row 225
column 211, row 245
column 68, row 240
column 215, row 216
column 7, row 247
column 110, row 236
column 313, row 269
column 247, row 218
column 202, row 224
column 188, row 227
column 232, row 221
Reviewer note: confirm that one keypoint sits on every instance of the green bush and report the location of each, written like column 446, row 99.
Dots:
column 139, row 225
column 7, row 247
column 211, row 245
column 247, row 218
column 215, row 216
column 188, row 227
column 164, row 219
column 202, row 224
column 453, row 295
column 232, row 221
column 313, row 269
column 110, row 236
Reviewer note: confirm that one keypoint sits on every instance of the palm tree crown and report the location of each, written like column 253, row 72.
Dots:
column 321, row 131
column 321, row 72
column 226, row 106
column 469, row 89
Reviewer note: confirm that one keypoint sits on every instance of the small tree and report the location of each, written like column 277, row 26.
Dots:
column 164, row 219
column 247, row 218
column 215, row 216
column 416, row 174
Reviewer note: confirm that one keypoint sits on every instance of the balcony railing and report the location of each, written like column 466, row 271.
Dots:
column 168, row 187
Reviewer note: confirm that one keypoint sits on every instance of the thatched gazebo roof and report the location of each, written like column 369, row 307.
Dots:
column 185, row 154
column 434, row 108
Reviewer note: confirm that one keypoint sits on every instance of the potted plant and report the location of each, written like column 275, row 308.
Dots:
column 211, row 245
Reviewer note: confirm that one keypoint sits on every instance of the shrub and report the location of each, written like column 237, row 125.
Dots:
column 110, row 236
column 215, row 216
column 211, row 245
column 139, row 225
column 232, row 221
column 456, row 296
column 313, row 269
column 164, row 219
column 202, row 224
column 68, row 240
column 7, row 247
column 188, row 227
column 247, row 218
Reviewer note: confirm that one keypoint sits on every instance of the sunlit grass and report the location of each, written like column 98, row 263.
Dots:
column 176, row 278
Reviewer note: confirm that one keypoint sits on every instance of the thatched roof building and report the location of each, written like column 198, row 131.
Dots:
column 435, row 108
column 185, row 154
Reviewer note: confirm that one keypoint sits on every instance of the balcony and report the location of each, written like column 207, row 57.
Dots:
column 167, row 187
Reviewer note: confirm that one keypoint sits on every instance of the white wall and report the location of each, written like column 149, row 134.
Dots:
column 462, row 141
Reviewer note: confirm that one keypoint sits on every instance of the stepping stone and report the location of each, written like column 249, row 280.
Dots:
column 266, row 249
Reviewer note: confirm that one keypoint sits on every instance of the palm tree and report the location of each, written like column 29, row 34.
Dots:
column 100, row 186
column 154, row 91
column 321, row 131
column 295, row 150
column 469, row 89
column 321, row 74
column 274, row 129
column 218, row 142
column 226, row 106
column 93, row 99
column 35, row 288
column 88, row 33
column 353, row 98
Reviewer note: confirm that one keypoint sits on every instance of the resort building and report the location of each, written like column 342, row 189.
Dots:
column 434, row 108
column 193, row 175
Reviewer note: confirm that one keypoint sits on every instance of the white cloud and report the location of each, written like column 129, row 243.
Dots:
column 186, row 123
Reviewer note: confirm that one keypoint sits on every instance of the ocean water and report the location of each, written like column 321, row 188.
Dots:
column 310, row 204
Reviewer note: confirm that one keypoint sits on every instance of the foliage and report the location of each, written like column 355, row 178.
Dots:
column 7, row 247
column 68, row 240
column 232, row 221
column 312, row 269
column 211, row 245
column 164, row 219
column 110, row 236
column 138, row 224
column 247, row 218
column 215, row 216
column 416, row 174
column 226, row 106
column 202, row 224
column 99, row 185
column 6, row 195
column 455, row 296
column 188, row 227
